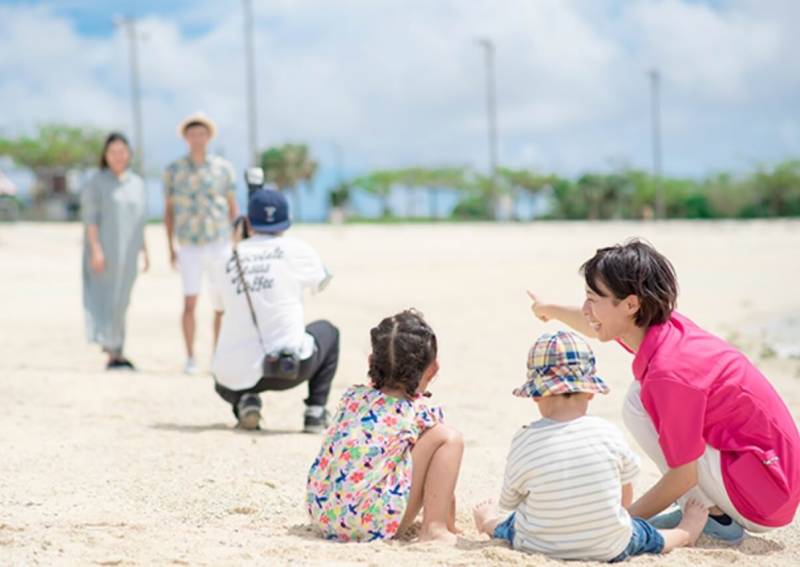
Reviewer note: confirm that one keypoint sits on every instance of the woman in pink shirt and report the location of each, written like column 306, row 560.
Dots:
column 713, row 424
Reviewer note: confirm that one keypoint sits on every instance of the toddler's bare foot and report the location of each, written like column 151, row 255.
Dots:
column 694, row 518
column 486, row 517
column 439, row 534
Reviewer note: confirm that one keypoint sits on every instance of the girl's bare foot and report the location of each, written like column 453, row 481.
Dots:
column 694, row 518
column 486, row 517
column 439, row 534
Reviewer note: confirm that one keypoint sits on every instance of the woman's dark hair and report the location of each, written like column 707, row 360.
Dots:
column 112, row 137
column 403, row 347
column 635, row 268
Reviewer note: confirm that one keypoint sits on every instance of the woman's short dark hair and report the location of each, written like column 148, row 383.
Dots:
column 112, row 137
column 403, row 347
column 635, row 268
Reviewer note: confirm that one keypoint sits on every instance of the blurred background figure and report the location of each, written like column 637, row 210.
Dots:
column 113, row 206
column 200, row 191
column 9, row 209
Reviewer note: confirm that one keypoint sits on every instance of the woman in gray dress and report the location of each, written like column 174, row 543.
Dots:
column 113, row 209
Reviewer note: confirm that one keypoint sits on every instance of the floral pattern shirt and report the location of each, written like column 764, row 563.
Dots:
column 359, row 484
column 199, row 195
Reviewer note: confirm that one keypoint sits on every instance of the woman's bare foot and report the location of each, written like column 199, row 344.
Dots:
column 486, row 517
column 694, row 518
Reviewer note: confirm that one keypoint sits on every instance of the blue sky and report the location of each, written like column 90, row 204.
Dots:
column 400, row 82
column 95, row 17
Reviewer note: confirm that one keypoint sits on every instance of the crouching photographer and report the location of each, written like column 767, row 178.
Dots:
column 263, row 342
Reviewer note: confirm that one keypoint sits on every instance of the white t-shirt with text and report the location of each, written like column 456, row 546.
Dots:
column 277, row 270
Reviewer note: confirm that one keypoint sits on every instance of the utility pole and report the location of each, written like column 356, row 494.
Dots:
column 655, row 110
column 128, row 24
column 491, row 115
column 250, row 77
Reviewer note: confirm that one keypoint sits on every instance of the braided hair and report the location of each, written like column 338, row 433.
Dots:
column 403, row 347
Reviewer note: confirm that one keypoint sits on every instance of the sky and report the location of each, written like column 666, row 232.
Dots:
column 392, row 83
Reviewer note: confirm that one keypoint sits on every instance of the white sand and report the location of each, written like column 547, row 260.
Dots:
column 116, row 469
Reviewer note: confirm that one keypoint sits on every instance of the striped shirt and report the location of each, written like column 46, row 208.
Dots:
column 564, row 481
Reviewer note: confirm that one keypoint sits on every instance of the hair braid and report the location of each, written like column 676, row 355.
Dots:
column 403, row 347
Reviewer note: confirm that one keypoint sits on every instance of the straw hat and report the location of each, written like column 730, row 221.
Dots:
column 198, row 117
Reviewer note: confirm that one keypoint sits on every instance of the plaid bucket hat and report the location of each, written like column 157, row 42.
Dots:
column 560, row 363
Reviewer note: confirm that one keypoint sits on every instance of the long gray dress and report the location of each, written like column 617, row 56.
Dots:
column 117, row 207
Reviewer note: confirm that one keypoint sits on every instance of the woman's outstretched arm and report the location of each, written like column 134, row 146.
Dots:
column 569, row 315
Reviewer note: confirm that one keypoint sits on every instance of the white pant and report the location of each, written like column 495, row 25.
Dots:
column 710, row 488
column 194, row 259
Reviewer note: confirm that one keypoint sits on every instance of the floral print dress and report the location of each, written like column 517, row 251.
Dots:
column 359, row 484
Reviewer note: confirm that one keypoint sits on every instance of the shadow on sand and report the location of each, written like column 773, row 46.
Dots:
column 206, row 427
column 752, row 545
column 309, row 532
column 305, row 531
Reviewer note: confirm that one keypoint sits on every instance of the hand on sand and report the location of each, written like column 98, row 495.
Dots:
column 695, row 516
column 485, row 515
column 538, row 308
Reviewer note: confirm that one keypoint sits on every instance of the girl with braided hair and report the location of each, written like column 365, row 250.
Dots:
column 388, row 455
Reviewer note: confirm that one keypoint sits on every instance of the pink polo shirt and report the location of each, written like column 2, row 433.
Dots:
column 700, row 390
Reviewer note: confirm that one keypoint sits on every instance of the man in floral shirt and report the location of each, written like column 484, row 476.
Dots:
column 200, row 191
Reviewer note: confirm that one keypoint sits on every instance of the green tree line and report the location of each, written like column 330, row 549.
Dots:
column 627, row 193
column 769, row 191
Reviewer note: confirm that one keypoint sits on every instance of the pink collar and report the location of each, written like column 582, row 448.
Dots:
column 653, row 339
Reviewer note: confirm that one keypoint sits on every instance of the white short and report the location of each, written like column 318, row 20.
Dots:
column 195, row 259
column 710, row 489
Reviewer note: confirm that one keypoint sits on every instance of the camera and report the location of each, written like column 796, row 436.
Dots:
column 284, row 365
column 254, row 177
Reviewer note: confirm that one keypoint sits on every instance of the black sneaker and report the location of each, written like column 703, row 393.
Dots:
column 119, row 364
column 315, row 419
column 248, row 410
column 127, row 364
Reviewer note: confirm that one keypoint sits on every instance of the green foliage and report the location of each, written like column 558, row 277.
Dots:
column 622, row 194
column 524, row 179
column 569, row 202
column 56, row 146
column 288, row 166
column 339, row 195
column 378, row 183
column 473, row 207
column 777, row 190
column 477, row 200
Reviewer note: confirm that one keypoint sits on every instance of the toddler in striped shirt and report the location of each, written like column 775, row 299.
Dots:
column 568, row 475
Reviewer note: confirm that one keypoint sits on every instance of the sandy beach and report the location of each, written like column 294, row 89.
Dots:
column 145, row 468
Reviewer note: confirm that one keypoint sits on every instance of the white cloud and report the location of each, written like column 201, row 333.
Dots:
column 400, row 82
column 710, row 53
